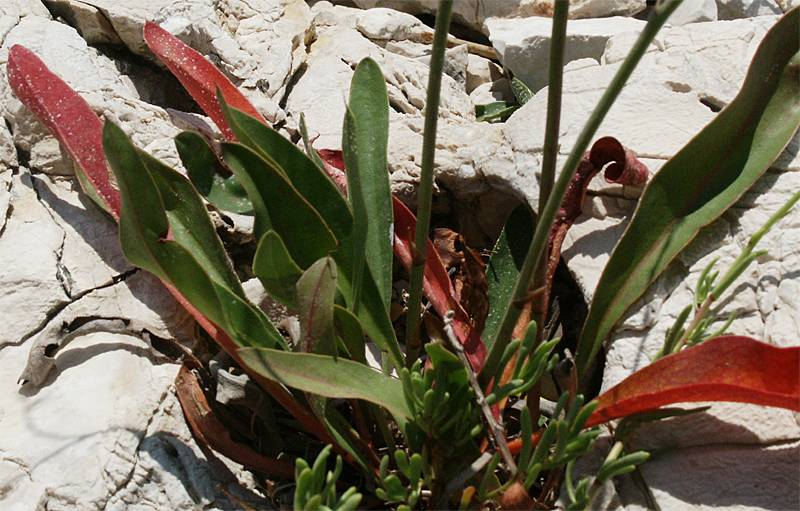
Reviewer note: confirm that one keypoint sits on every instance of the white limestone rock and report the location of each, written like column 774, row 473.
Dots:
column 498, row 90
column 12, row 11
column 741, row 477
column 87, row 19
column 470, row 13
column 31, row 288
column 524, row 45
column 694, row 11
column 481, row 70
column 708, row 60
column 588, row 8
column 456, row 62
column 474, row 13
column 390, row 25
column 320, row 93
column 734, row 9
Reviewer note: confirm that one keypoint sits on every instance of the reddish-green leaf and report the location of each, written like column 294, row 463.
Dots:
column 69, row 118
column 728, row 368
column 436, row 284
column 199, row 76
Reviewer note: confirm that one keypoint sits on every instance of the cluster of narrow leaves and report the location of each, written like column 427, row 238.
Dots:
column 328, row 232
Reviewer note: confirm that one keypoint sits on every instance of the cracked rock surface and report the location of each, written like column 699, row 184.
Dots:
column 98, row 425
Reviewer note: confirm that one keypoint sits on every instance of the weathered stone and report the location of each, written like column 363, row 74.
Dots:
column 474, row 13
column 524, row 45
column 588, row 8
column 734, row 9
column 692, row 12
column 87, row 19
column 471, row 13
column 321, row 91
column 720, row 477
column 481, row 70
column 455, row 64
column 498, row 90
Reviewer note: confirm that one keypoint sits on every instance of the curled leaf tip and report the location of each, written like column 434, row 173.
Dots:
column 620, row 164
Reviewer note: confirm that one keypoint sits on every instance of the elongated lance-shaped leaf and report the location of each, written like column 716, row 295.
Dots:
column 728, row 368
column 502, row 271
column 275, row 268
column 309, row 180
column 702, row 180
column 325, row 376
column 203, row 168
column 189, row 224
column 144, row 228
column 164, row 228
column 279, row 206
column 372, row 315
column 365, row 138
column 69, row 118
column 316, row 291
column 198, row 76
column 350, row 331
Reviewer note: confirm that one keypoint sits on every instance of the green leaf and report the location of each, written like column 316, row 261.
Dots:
column 365, row 138
column 308, row 179
column 279, row 205
column 372, row 314
column 504, row 266
column 702, row 180
column 246, row 324
column 275, row 268
column 325, row 376
column 349, row 330
column 316, row 290
column 144, row 227
column 496, row 111
column 157, row 201
column 521, row 91
column 343, row 433
column 189, row 223
column 204, row 169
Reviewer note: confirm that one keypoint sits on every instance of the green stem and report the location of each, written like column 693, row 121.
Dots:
column 425, row 191
column 554, row 87
column 550, row 150
column 540, row 237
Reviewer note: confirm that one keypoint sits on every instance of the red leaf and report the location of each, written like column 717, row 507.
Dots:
column 198, row 76
column 68, row 117
column 728, row 368
column 436, row 284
